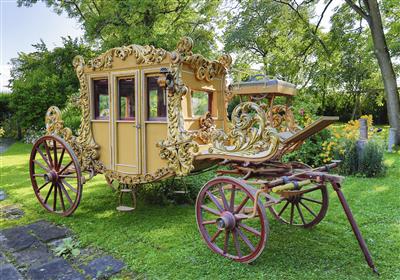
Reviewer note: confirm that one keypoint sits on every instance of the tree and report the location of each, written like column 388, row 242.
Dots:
column 370, row 12
column 43, row 78
column 161, row 23
column 266, row 32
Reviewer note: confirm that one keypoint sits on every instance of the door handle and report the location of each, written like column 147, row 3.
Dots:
column 138, row 126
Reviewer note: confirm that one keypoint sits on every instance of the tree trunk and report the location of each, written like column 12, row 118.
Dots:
column 385, row 64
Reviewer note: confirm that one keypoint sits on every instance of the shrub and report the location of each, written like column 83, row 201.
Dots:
column 32, row 134
column 371, row 160
column 71, row 114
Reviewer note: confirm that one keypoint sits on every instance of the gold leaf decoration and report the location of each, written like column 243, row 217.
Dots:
column 143, row 55
column 249, row 134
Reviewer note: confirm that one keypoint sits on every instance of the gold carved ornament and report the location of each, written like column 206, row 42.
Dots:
column 283, row 119
column 143, row 55
column 178, row 149
column 249, row 133
column 206, row 128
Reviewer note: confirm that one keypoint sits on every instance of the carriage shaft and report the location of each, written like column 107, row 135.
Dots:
column 354, row 226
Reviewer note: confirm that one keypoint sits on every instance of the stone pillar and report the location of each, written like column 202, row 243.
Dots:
column 362, row 140
column 392, row 135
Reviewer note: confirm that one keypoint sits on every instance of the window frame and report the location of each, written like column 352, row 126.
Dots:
column 129, row 119
column 209, row 103
column 147, row 100
column 96, row 103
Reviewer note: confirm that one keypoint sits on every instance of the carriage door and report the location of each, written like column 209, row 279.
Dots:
column 126, row 124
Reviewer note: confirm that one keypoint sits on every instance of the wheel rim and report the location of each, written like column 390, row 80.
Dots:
column 304, row 210
column 220, row 210
column 55, row 175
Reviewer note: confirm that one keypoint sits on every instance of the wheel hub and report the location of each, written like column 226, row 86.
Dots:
column 51, row 176
column 226, row 221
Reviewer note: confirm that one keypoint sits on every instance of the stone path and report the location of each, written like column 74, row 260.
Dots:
column 26, row 253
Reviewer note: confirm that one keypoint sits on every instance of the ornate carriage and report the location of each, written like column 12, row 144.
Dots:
column 149, row 114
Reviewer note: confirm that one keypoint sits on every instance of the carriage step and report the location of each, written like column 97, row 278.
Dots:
column 123, row 208
column 126, row 190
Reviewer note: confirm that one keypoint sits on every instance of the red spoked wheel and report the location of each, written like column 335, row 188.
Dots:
column 55, row 175
column 305, row 209
column 223, row 207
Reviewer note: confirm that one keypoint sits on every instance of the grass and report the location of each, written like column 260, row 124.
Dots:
column 163, row 242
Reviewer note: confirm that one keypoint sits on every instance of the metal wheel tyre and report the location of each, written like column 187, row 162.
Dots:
column 55, row 175
column 304, row 210
column 222, row 209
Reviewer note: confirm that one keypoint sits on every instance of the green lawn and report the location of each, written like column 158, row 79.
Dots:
column 163, row 242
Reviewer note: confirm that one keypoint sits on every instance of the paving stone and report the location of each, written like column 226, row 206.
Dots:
column 58, row 269
column 46, row 231
column 35, row 255
column 3, row 259
column 9, row 272
column 11, row 212
column 16, row 239
column 3, row 195
column 103, row 267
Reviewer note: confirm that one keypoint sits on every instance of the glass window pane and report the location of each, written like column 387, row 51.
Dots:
column 201, row 103
column 126, row 99
column 156, row 100
column 101, row 100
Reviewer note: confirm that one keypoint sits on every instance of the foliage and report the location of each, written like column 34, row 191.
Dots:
column 42, row 79
column 161, row 23
column 163, row 242
column 8, row 126
column 33, row 133
column 71, row 113
column 343, row 145
column 68, row 248
column 1, row 132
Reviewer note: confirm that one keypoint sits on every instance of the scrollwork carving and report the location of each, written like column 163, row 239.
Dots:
column 283, row 119
column 143, row 55
column 206, row 128
column 249, row 134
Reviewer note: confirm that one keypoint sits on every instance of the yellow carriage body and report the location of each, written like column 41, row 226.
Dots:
column 135, row 130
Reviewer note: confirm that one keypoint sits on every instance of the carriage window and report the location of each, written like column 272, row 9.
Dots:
column 101, row 100
column 201, row 103
column 156, row 100
column 126, row 99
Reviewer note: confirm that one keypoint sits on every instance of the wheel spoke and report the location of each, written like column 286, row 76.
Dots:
column 48, row 153
column 223, row 197
column 61, row 198
column 216, row 235
column 41, row 165
column 236, row 241
column 250, row 229
column 312, row 200
column 291, row 213
column 300, row 213
column 55, row 198
column 55, row 153
column 48, row 194
column 209, row 222
column 215, row 200
column 226, row 241
column 308, row 209
column 68, row 176
column 245, row 239
column 232, row 202
column 65, row 167
column 68, row 185
column 45, row 184
column 65, row 193
column 283, row 208
column 210, row 210
column 38, row 175
column 61, row 158
column 46, row 160
column 241, row 205
column 311, row 189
